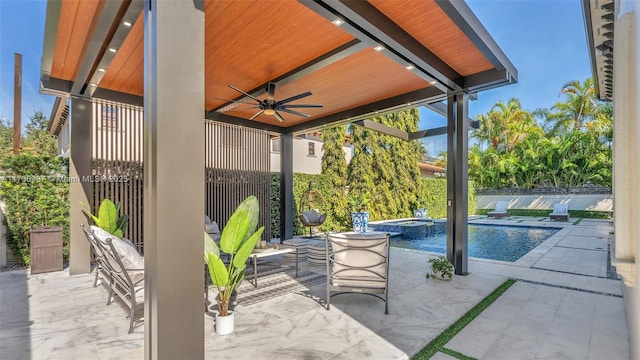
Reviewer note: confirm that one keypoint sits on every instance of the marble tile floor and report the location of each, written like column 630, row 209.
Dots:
column 57, row 316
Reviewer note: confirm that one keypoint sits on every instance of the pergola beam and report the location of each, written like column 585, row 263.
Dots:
column 121, row 32
column 368, row 24
column 94, row 47
column 460, row 13
column 52, row 20
column 398, row 102
column 216, row 116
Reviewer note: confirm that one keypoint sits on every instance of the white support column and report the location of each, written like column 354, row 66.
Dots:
column 626, row 172
column 173, row 179
column 79, row 191
column 626, row 130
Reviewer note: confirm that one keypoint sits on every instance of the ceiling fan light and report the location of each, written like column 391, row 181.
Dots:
column 269, row 112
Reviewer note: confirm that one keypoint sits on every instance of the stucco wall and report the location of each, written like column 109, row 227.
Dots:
column 575, row 202
column 626, row 172
column 302, row 161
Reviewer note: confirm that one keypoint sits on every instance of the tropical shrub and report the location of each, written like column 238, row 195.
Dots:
column 36, row 193
column 108, row 218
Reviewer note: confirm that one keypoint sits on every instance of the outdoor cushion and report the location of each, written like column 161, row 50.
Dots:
column 560, row 209
column 313, row 217
column 212, row 228
column 127, row 253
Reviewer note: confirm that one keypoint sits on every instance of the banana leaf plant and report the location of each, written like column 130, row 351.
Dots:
column 108, row 219
column 238, row 239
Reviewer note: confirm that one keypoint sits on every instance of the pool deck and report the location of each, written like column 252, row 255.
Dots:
column 564, row 305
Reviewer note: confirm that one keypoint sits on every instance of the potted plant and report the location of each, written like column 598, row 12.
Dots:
column 359, row 213
column 441, row 268
column 421, row 212
column 238, row 239
column 108, row 219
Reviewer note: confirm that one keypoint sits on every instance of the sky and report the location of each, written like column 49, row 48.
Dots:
column 544, row 39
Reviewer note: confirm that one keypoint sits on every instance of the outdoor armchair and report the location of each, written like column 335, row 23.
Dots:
column 358, row 263
column 560, row 212
column 101, row 269
column 126, row 271
column 500, row 210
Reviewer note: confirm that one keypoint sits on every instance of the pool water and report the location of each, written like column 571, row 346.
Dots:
column 505, row 243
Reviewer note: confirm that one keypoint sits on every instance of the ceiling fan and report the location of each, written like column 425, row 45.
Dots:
column 270, row 106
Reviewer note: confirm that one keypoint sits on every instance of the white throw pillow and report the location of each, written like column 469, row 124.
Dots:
column 127, row 253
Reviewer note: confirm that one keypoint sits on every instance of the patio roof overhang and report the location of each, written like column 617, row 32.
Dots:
column 599, row 19
column 356, row 57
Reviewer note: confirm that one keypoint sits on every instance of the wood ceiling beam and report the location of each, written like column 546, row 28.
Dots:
column 316, row 64
column 367, row 23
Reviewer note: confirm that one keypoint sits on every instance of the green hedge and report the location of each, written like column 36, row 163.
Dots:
column 434, row 197
column 545, row 212
column 36, row 193
column 301, row 181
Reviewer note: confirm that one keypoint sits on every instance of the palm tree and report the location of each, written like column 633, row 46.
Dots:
column 504, row 126
column 580, row 106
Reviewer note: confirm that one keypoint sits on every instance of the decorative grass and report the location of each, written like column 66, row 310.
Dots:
column 577, row 221
column 438, row 343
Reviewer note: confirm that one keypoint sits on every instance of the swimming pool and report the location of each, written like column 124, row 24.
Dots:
column 496, row 242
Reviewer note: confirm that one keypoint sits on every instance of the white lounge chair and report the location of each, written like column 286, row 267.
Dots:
column 560, row 212
column 500, row 210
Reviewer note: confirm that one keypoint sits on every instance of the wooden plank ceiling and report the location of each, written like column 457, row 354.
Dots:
column 249, row 43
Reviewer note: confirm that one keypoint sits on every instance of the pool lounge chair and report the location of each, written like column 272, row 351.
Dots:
column 560, row 212
column 500, row 211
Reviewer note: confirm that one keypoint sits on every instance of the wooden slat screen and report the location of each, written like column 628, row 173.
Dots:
column 237, row 165
column 117, row 162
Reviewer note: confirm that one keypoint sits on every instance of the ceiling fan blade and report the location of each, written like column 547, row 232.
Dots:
column 293, row 98
column 235, row 101
column 271, row 91
column 245, row 108
column 293, row 106
column 256, row 115
column 244, row 93
column 295, row 112
column 279, row 117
